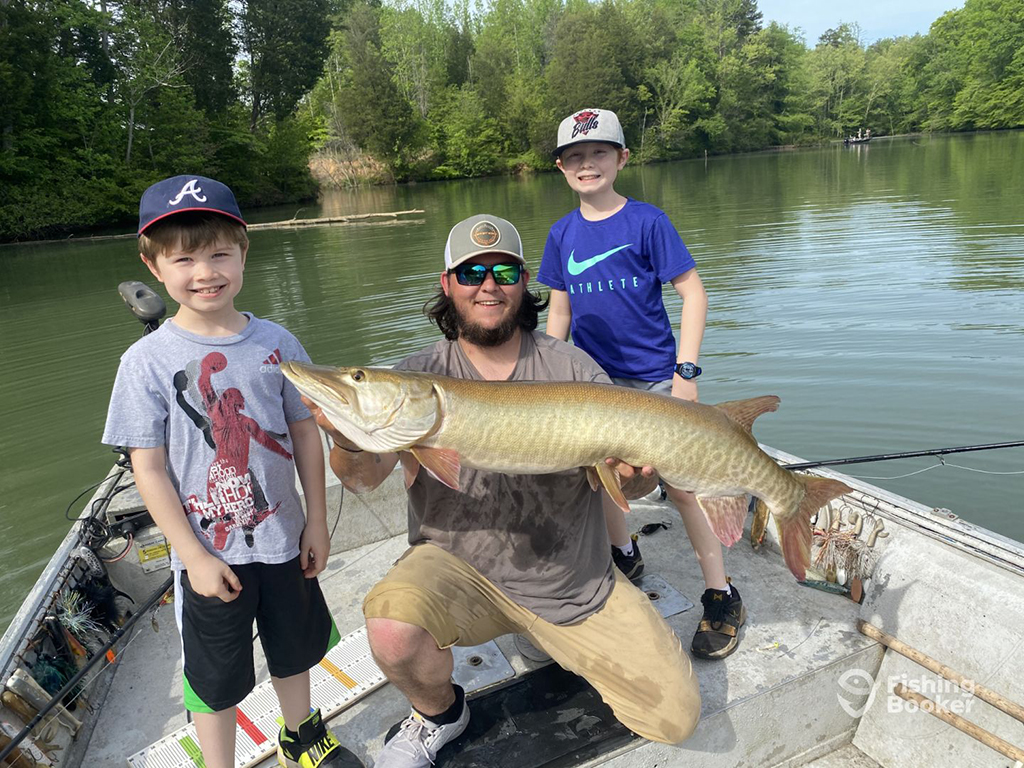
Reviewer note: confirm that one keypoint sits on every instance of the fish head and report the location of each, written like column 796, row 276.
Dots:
column 378, row 409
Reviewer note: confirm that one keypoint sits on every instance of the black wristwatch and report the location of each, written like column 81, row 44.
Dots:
column 688, row 370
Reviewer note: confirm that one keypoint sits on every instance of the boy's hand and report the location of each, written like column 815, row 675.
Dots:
column 212, row 577
column 325, row 424
column 314, row 549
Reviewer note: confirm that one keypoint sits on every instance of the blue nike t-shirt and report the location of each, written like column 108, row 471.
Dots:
column 613, row 271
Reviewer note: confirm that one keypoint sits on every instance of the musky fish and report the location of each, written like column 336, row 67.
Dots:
column 541, row 427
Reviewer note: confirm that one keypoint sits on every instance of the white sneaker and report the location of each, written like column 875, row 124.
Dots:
column 418, row 741
column 528, row 650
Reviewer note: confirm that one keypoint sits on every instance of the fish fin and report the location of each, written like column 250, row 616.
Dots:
column 743, row 412
column 795, row 530
column 593, row 479
column 610, row 480
column 725, row 515
column 759, row 525
column 442, row 463
column 410, row 468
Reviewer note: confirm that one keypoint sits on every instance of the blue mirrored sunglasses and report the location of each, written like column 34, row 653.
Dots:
column 475, row 274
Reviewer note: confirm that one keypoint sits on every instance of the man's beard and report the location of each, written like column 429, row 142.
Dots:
column 489, row 337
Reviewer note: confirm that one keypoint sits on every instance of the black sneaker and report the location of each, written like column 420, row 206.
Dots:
column 631, row 565
column 718, row 632
column 314, row 747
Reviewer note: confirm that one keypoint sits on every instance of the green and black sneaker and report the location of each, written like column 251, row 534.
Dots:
column 718, row 632
column 313, row 746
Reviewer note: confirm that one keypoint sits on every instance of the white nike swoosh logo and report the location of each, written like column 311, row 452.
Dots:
column 579, row 267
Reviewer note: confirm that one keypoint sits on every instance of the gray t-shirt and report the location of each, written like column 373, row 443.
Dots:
column 221, row 407
column 541, row 539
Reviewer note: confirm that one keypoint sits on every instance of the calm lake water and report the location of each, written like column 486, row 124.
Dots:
column 877, row 290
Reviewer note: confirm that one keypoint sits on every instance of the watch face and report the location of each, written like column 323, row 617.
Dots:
column 687, row 370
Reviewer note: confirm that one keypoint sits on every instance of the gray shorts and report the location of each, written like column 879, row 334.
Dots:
column 658, row 387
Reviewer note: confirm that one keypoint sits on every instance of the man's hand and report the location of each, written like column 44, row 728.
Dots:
column 628, row 471
column 637, row 482
column 325, row 424
column 314, row 549
column 212, row 577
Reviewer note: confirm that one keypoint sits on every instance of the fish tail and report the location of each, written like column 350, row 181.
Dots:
column 795, row 527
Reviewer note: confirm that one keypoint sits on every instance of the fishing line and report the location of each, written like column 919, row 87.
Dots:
column 898, row 477
column 986, row 471
column 936, row 466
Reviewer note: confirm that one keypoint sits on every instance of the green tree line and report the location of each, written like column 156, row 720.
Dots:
column 102, row 98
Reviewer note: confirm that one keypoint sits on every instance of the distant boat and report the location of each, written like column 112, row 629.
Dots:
column 856, row 140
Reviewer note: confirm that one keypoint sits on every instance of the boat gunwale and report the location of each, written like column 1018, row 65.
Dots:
column 16, row 634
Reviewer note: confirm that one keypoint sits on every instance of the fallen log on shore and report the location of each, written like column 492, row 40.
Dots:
column 354, row 218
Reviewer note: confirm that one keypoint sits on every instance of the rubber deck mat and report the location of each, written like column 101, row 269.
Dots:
column 549, row 718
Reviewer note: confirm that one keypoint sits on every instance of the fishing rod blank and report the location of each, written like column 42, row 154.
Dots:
column 905, row 455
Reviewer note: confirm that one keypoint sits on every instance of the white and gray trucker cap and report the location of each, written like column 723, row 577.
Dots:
column 590, row 125
column 482, row 234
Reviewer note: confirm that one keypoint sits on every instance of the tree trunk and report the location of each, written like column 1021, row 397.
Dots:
column 131, row 134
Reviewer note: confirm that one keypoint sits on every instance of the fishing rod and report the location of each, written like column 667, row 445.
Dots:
column 904, row 455
column 99, row 655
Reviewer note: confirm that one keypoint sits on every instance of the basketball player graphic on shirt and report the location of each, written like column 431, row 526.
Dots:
column 234, row 496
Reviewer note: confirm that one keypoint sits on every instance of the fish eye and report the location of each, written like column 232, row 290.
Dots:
column 358, row 376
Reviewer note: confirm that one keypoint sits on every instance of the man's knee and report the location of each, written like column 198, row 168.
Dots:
column 675, row 720
column 396, row 643
column 676, row 728
column 668, row 711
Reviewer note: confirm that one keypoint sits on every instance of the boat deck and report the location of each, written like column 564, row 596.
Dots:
column 805, row 687
column 797, row 641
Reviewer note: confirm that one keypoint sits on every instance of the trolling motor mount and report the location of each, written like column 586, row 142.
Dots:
column 144, row 303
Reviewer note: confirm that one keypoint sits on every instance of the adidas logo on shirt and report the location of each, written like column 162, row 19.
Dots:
column 270, row 365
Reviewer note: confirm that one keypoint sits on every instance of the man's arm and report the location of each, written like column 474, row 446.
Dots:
column 209, row 576
column 691, row 329
column 559, row 315
column 315, row 544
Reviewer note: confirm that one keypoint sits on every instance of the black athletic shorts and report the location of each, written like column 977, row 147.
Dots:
column 295, row 628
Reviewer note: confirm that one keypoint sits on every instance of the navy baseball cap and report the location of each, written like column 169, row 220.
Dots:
column 186, row 193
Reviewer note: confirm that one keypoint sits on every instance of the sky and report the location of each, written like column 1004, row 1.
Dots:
column 877, row 18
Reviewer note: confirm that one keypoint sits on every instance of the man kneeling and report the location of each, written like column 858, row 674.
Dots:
column 523, row 554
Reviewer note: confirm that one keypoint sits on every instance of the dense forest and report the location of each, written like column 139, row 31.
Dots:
column 277, row 97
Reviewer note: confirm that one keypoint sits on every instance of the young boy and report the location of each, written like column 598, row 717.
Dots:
column 606, row 263
column 215, row 435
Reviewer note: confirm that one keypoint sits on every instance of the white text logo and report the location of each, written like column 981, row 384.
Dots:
column 860, row 684
column 189, row 189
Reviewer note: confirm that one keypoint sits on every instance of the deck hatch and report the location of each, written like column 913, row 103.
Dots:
column 667, row 599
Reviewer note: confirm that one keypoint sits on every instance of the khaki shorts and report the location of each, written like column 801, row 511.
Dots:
column 625, row 649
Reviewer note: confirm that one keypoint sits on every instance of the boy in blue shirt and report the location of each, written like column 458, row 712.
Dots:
column 216, row 435
column 605, row 264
